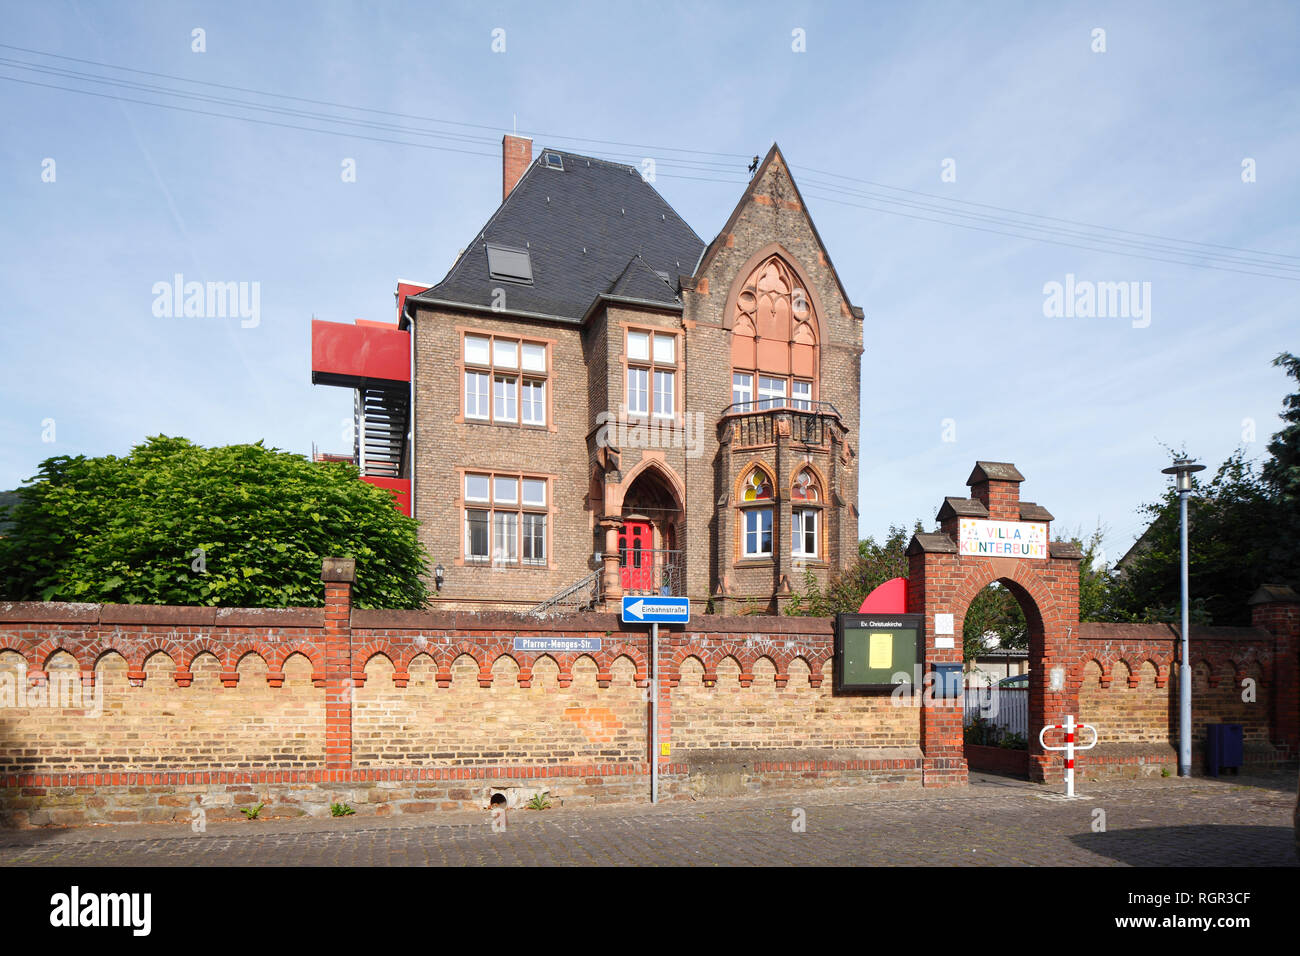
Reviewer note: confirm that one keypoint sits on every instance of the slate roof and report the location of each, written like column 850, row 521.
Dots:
column 594, row 228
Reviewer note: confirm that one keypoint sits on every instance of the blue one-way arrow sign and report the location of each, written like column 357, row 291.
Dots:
column 656, row 610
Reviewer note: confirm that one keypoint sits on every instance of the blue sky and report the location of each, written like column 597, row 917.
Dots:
column 1148, row 136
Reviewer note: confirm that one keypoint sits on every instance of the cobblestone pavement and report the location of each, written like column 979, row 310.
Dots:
column 995, row 821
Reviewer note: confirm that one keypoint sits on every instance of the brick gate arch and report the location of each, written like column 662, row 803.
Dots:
column 1043, row 575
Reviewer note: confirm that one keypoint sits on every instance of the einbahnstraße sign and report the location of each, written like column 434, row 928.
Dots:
column 656, row 610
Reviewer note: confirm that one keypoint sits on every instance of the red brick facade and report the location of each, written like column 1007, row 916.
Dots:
column 605, row 464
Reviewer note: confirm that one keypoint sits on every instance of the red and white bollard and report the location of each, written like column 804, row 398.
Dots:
column 1070, row 746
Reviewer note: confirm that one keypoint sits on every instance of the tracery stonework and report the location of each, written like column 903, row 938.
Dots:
column 774, row 329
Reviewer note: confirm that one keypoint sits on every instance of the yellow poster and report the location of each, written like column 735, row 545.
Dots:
column 882, row 651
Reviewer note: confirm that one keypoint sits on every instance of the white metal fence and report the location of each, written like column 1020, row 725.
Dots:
column 1006, row 708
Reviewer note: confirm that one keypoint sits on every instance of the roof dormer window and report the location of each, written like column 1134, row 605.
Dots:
column 509, row 264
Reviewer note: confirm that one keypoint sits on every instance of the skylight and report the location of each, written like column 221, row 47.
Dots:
column 512, row 265
column 554, row 161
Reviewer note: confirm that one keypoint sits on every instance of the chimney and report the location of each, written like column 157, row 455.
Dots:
column 516, row 156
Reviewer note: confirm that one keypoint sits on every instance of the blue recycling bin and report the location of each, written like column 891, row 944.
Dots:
column 1223, row 748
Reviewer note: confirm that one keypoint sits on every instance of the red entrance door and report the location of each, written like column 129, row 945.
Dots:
column 636, row 556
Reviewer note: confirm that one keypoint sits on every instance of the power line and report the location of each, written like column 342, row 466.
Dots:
column 365, row 109
column 1144, row 246
column 247, row 119
column 1058, row 242
column 1074, row 222
column 1164, row 245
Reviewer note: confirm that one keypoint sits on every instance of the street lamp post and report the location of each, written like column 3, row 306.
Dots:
column 1182, row 470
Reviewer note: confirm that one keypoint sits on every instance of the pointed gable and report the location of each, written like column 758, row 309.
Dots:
column 772, row 209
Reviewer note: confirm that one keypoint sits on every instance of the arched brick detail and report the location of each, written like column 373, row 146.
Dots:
column 362, row 660
column 639, row 662
column 685, row 654
column 363, row 657
column 280, row 656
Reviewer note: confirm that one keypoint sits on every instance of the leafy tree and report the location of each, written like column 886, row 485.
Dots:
column 175, row 523
column 1096, row 580
column 1243, row 531
column 1282, row 470
column 1233, row 528
column 875, row 564
column 993, row 615
column 1282, row 477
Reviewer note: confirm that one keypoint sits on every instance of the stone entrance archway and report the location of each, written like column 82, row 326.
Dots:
column 994, row 536
column 645, row 525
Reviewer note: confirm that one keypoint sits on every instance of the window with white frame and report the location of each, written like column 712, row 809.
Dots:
column 533, row 402
column 505, row 519
column 771, row 392
column 505, row 379
column 664, row 393
column 756, row 514
column 742, row 391
column 801, row 395
column 651, row 373
column 505, row 399
column 804, row 532
column 638, row 390
column 758, row 533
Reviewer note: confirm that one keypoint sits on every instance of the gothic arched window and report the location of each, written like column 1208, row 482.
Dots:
column 756, row 514
column 773, row 341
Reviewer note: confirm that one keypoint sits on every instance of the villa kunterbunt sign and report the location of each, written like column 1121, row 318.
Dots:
column 1002, row 539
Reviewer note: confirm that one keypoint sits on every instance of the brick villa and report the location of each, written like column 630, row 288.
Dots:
column 595, row 402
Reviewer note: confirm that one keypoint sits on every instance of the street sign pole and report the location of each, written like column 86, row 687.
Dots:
column 654, row 712
column 654, row 611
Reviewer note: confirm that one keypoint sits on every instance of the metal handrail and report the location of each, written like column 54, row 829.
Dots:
column 581, row 594
column 781, row 403
column 661, row 573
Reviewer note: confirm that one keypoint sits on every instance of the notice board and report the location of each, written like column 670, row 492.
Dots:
column 877, row 651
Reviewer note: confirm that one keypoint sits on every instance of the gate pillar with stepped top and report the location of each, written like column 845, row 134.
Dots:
column 993, row 536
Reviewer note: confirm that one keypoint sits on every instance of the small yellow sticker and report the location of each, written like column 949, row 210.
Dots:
column 664, row 750
column 882, row 651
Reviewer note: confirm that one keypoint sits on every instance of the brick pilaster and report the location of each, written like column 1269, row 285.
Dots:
column 338, row 576
column 1276, row 609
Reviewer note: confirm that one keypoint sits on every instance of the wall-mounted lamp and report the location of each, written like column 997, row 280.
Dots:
column 438, row 573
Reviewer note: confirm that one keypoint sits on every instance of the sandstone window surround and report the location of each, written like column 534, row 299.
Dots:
column 505, row 379
column 774, row 342
column 807, row 498
column 506, row 518
column 757, row 514
column 652, row 357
